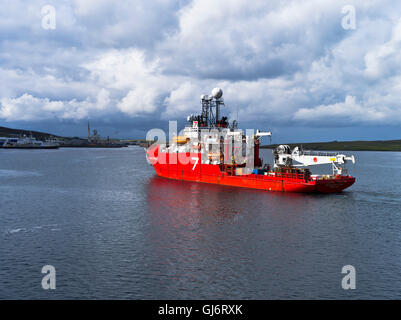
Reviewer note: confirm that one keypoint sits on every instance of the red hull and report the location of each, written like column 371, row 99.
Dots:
column 274, row 181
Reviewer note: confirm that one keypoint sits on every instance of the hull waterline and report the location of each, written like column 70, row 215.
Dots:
column 196, row 171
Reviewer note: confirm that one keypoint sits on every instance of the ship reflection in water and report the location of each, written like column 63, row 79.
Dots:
column 217, row 242
column 195, row 201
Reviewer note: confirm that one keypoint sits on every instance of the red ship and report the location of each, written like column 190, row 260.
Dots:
column 211, row 150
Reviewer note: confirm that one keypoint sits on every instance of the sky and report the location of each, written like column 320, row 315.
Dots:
column 314, row 70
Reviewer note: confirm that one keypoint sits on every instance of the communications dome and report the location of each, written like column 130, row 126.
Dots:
column 217, row 93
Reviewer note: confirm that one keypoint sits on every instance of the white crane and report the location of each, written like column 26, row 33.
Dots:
column 283, row 156
column 260, row 134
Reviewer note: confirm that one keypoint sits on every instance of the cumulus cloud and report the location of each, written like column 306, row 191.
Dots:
column 30, row 108
column 287, row 63
column 385, row 60
column 235, row 40
column 182, row 99
column 139, row 101
column 347, row 112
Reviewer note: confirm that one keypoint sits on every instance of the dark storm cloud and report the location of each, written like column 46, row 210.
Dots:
column 135, row 64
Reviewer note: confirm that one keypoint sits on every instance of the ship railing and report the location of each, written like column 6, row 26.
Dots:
column 319, row 153
column 191, row 129
column 196, row 129
column 299, row 176
column 296, row 176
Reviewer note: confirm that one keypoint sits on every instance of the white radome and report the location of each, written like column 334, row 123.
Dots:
column 217, row 93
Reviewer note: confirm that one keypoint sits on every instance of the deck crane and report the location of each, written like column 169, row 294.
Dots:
column 283, row 156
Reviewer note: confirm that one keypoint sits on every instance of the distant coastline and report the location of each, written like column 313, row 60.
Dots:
column 94, row 141
column 8, row 132
column 360, row 145
column 378, row 145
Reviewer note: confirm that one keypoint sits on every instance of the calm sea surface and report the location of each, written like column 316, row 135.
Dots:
column 112, row 229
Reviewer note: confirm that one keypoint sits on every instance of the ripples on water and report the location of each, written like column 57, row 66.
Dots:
column 114, row 230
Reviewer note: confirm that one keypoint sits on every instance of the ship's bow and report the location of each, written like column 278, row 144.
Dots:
column 337, row 184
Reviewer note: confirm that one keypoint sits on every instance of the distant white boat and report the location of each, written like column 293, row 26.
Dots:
column 27, row 143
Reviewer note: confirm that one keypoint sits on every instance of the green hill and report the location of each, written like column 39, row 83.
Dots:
column 8, row 132
column 379, row 145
